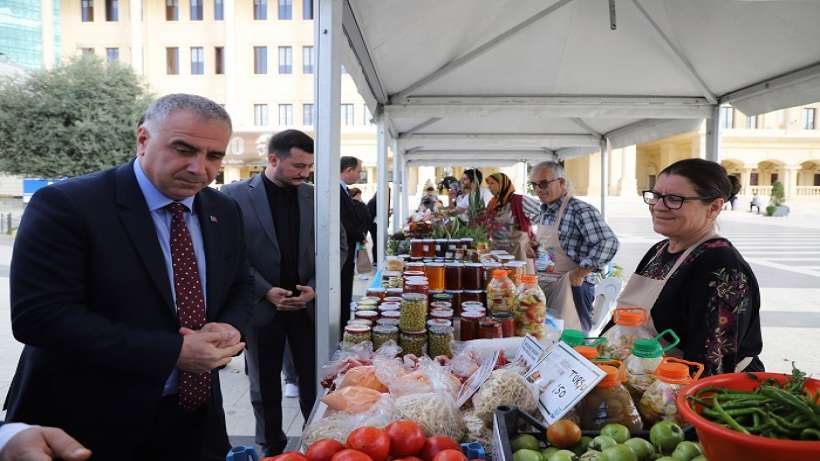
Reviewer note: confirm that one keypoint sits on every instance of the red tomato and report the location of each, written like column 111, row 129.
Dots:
column 437, row 443
column 370, row 441
column 323, row 450
column 350, row 455
column 288, row 456
column 406, row 438
column 450, row 455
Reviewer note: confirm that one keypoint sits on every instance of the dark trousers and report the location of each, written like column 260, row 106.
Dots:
column 374, row 236
column 178, row 435
column 346, row 290
column 583, row 296
column 263, row 358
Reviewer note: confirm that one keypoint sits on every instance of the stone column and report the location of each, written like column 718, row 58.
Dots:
column 790, row 180
column 669, row 153
column 615, row 171
column 745, row 181
column 629, row 174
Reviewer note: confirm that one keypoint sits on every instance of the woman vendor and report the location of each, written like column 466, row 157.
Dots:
column 510, row 216
column 471, row 194
column 695, row 281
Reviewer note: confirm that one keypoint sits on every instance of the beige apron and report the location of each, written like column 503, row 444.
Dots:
column 556, row 284
column 643, row 292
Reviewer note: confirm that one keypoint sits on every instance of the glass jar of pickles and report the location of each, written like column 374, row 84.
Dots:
column 435, row 276
column 413, row 313
column 469, row 325
column 384, row 333
column 515, row 270
column 487, row 272
column 355, row 334
column 440, row 341
column 500, row 293
column 413, row 342
column 530, row 308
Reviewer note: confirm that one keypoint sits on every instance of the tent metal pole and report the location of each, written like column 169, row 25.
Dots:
column 327, row 93
column 405, row 193
column 713, row 135
column 604, row 175
column 397, row 187
column 381, row 190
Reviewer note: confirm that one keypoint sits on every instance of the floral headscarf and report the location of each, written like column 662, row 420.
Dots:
column 505, row 191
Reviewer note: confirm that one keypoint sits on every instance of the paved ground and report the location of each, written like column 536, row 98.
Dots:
column 784, row 253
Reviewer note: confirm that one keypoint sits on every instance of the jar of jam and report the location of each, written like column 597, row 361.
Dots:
column 507, row 323
column 355, row 334
column 489, row 329
column 429, row 248
column 440, row 341
column 452, row 246
column 452, row 276
column 441, row 247
column 384, row 333
column 435, row 275
column 471, row 277
column 417, row 286
column 413, row 342
column 440, row 296
column 469, row 325
column 367, row 315
column 455, row 296
column 471, row 295
column 417, row 248
column 377, row 292
column 442, row 313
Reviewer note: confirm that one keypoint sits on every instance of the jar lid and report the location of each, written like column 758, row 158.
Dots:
column 491, row 264
column 435, row 264
column 515, row 264
column 502, row 315
column 388, row 322
column 589, row 352
column 470, row 305
column 466, row 239
column 415, row 240
column 454, row 292
column 441, row 296
column 391, row 299
column 573, row 337
column 427, row 240
column 376, row 290
column 365, row 307
column 395, row 291
column 454, row 264
column 441, row 240
column 387, row 274
column 367, row 314
column 389, row 306
column 441, row 330
column 629, row 316
column 385, row 329
column 529, row 279
column 391, row 314
column 472, row 315
column 473, row 265
column 413, row 296
column 441, row 305
column 673, row 373
column 499, row 274
column 368, row 300
column 357, row 329
column 441, row 312
column 414, row 273
column 612, row 378
column 363, row 322
column 647, row 348
column 488, row 323
column 414, row 333
column 438, row 323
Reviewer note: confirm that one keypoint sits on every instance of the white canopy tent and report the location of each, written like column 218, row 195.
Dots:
column 492, row 81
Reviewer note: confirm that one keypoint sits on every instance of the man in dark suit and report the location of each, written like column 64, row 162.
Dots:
column 130, row 287
column 277, row 207
column 355, row 222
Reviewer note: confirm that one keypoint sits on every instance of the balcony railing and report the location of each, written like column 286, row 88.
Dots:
column 764, row 191
column 806, row 191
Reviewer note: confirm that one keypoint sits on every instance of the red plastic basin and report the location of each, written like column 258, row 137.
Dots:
column 722, row 444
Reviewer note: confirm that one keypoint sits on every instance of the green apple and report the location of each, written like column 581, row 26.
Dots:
column 602, row 442
column 619, row 432
column 618, row 453
column 563, row 455
column 686, row 451
column 665, row 435
column 525, row 454
column 524, row 441
column 642, row 448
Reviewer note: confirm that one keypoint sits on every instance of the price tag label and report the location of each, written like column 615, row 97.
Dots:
column 529, row 352
column 563, row 377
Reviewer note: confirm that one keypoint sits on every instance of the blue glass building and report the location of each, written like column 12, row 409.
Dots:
column 21, row 32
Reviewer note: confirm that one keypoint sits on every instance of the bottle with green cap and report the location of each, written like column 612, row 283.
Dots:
column 576, row 338
column 645, row 356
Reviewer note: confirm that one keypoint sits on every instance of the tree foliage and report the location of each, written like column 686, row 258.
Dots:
column 74, row 119
column 778, row 194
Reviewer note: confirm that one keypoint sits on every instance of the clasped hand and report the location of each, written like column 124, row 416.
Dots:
column 210, row 347
column 285, row 301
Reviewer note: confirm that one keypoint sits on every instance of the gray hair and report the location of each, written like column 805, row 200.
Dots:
column 160, row 109
column 556, row 168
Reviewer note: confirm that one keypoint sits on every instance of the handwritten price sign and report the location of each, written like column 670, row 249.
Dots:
column 563, row 377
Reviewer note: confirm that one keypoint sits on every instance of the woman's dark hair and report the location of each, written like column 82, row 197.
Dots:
column 709, row 178
column 474, row 174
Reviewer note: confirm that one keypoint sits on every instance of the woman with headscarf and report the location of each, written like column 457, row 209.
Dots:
column 510, row 215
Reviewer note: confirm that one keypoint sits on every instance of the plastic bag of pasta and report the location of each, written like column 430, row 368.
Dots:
column 435, row 412
column 504, row 387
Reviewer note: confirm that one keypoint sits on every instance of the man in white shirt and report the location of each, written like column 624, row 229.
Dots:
column 21, row 442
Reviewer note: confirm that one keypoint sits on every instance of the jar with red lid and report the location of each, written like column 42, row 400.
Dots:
column 394, row 293
column 455, row 296
column 367, row 315
column 417, row 248
column 417, row 286
column 507, row 323
column 376, row 292
column 472, row 277
column 489, row 329
column 392, row 299
column 469, row 325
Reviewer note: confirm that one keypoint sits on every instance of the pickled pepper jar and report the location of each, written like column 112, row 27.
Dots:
column 658, row 403
column 500, row 293
column 609, row 402
column 530, row 308
column 647, row 354
column 575, row 338
column 630, row 324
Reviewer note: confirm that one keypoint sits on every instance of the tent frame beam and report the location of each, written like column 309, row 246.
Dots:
column 356, row 41
column 771, row 84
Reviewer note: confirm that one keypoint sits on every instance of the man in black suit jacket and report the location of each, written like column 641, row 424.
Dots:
column 130, row 287
column 355, row 223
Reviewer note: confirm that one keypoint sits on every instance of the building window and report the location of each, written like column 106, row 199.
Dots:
column 197, row 60
column 87, row 51
column 87, row 10
column 307, row 9
column 285, row 114
column 751, row 122
column 172, row 61
column 816, row 179
column 285, row 60
column 260, row 114
column 307, row 114
column 774, row 178
column 219, row 10
column 260, row 10
column 285, row 9
column 808, row 118
column 196, row 10
column 172, row 10
column 260, row 60
column 368, row 117
column 307, row 59
column 219, row 60
column 112, row 10
column 347, row 115
column 112, row 54
column 754, row 179
column 727, row 117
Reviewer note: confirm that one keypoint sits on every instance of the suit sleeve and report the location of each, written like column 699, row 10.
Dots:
column 238, row 306
column 260, row 285
column 352, row 221
column 49, row 299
